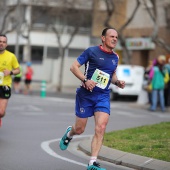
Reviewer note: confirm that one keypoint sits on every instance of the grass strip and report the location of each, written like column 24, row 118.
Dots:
column 151, row 141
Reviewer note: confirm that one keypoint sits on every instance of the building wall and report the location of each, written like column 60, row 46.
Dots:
column 147, row 32
column 140, row 27
column 143, row 26
column 100, row 15
column 142, row 19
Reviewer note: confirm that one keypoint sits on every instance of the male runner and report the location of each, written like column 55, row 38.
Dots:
column 93, row 98
column 8, row 66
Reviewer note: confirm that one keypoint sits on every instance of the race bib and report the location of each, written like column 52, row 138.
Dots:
column 1, row 77
column 101, row 78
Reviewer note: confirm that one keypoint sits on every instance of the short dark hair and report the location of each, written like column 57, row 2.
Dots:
column 3, row 35
column 105, row 30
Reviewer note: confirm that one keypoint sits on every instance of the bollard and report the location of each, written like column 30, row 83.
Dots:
column 43, row 89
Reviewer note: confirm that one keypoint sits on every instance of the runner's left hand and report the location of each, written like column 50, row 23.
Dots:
column 121, row 84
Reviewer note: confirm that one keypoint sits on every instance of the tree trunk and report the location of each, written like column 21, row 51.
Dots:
column 62, row 56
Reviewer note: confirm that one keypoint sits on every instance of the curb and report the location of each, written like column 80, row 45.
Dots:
column 125, row 159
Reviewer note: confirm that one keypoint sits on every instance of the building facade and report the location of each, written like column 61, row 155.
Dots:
column 35, row 40
column 39, row 43
column 140, row 29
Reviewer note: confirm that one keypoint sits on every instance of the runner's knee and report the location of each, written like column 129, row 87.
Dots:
column 79, row 130
column 2, row 113
column 100, row 129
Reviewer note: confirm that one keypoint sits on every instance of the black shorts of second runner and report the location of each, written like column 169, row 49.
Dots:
column 17, row 79
column 27, row 81
column 5, row 92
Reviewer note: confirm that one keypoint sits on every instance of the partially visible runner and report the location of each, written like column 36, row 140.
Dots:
column 8, row 66
column 17, row 81
column 28, row 78
column 92, row 98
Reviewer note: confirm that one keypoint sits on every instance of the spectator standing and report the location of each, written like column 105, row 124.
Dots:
column 147, row 81
column 167, row 86
column 28, row 78
column 157, row 79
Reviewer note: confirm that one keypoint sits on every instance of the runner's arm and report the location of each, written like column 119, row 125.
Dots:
column 75, row 69
column 119, row 83
column 114, row 78
column 14, row 71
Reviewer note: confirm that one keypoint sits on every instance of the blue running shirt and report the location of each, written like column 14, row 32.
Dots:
column 96, row 58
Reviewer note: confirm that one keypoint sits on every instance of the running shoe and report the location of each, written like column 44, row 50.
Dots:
column 64, row 142
column 0, row 122
column 95, row 166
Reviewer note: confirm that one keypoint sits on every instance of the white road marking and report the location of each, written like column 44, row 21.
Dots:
column 146, row 162
column 46, row 148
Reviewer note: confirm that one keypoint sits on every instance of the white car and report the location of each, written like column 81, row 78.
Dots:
column 133, row 76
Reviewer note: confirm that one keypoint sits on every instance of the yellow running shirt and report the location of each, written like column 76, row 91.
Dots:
column 7, row 61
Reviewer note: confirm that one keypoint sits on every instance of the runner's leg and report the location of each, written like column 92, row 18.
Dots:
column 3, row 105
column 101, row 120
column 79, row 126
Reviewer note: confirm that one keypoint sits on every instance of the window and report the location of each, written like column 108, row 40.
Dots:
column 43, row 16
column 52, row 52
column 36, row 54
column 75, row 52
column 11, row 48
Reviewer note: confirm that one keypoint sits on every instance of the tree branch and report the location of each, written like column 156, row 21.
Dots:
column 72, row 36
column 131, row 18
column 162, row 44
column 159, row 41
column 153, row 17
column 10, row 10
column 57, row 34
column 110, row 11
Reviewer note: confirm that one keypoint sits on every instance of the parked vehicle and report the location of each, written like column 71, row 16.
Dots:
column 133, row 76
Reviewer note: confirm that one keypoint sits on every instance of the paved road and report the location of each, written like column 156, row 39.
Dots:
column 33, row 126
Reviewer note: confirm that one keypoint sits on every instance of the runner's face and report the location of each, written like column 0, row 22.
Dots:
column 110, row 39
column 3, row 43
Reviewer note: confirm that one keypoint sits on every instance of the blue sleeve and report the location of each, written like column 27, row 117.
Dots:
column 84, row 57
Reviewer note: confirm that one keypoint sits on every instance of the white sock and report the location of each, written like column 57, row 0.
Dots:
column 68, row 135
column 92, row 160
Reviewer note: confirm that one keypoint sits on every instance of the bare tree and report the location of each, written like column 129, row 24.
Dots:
column 153, row 13
column 5, row 13
column 110, row 10
column 12, row 19
column 62, row 49
column 74, row 17
column 154, row 17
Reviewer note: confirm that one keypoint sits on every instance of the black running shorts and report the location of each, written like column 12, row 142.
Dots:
column 5, row 92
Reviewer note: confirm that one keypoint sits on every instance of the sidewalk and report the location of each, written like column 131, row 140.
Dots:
column 125, row 159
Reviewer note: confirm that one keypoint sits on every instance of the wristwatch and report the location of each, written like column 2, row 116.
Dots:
column 116, row 83
column 11, row 73
column 85, row 80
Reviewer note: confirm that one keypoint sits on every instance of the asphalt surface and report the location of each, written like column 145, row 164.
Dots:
column 119, row 157
column 112, row 155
